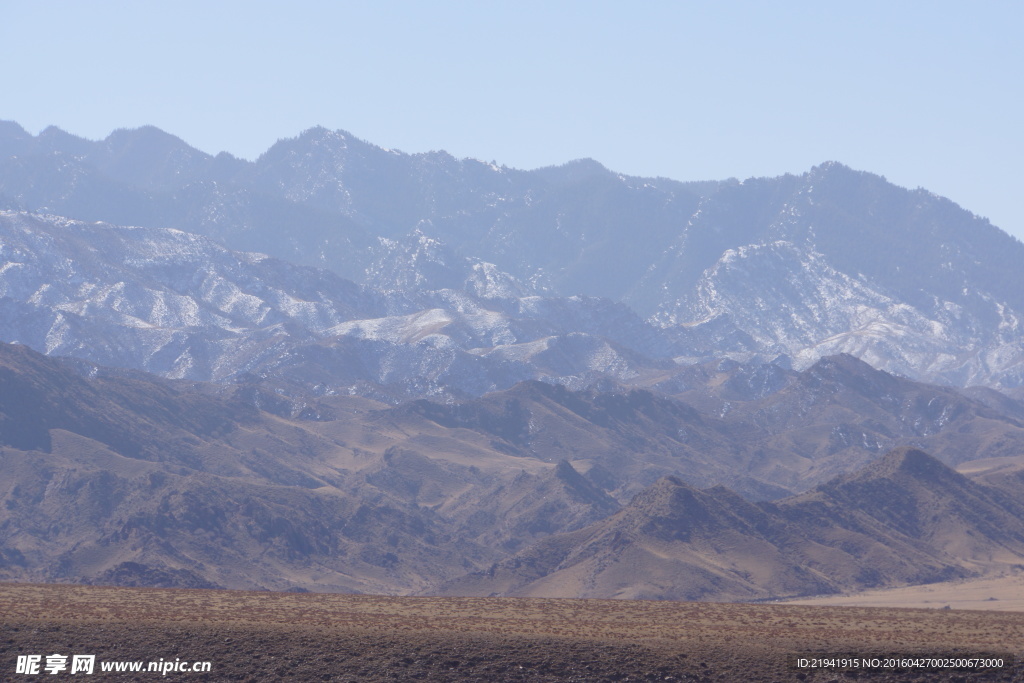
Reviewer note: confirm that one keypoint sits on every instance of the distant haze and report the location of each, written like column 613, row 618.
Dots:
column 927, row 95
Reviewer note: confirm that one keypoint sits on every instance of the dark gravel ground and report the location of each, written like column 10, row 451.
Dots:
column 282, row 637
column 302, row 654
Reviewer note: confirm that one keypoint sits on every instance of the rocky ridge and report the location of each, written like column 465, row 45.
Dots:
column 830, row 261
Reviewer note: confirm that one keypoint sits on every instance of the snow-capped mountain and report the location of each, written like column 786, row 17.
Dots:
column 838, row 261
column 326, row 198
column 183, row 306
column 161, row 300
column 452, row 256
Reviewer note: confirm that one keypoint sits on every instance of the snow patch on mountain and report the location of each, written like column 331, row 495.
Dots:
column 183, row 306
column 784, row 298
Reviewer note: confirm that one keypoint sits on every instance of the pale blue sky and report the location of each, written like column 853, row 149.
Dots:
column 928, row 94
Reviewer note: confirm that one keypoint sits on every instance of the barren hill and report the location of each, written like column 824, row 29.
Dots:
column 904, row 519
column 912, row 495
column 126, row 478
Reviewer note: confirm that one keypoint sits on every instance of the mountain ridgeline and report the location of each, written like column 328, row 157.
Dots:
column 905, row 519
column 831, row 261
column 345, row 368
column 115, row 477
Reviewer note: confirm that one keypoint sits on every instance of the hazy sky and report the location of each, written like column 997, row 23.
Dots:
column 928, row 94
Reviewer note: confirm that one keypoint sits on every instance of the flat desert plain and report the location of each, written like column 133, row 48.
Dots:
column 999, row 593
column 263, row 636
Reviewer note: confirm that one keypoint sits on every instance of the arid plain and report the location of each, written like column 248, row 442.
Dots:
column 1003, row 593
column 265, row 636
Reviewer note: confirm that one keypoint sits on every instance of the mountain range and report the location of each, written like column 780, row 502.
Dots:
column 904, row 519
column 830, row 261
column 126, row 478
column 345, row 368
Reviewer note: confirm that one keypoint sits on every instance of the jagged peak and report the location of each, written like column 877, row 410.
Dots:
column 585, row 163
column 830, row 166
column 564, row 470
column 905, row 466
column 573, row 171
column 669, row 496
column 836, row 172
column 911, row 461
column 841, row 367
column 312, row 132
column 836, row 169
column 52, row 131
column 58, row 139
column 12, row 129
column 314, row 135
column 842, row 361
column 149, row 140
column 144, row 132
column 582, row 487
column 319, row 135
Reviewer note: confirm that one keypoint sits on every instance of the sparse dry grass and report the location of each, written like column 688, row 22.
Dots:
column 283, row 636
